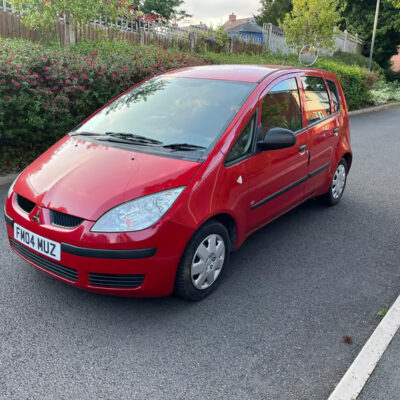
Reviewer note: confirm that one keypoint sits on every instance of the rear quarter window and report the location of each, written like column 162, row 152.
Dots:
column 334, row 94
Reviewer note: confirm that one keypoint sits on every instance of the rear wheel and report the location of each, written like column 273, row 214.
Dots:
column 200, row 269
column 337, row 186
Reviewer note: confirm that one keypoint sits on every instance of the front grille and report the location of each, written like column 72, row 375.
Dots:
column 117, row 281
column 60, row 270
column 64, row 220
column 25, row 204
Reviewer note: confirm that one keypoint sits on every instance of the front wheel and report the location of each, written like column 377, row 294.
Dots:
column 200, row 269
column 337, row 186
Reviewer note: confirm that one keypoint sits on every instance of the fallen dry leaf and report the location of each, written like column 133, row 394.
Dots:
column 347, row 339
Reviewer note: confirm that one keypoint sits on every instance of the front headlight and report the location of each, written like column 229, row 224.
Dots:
column 11, row 189
column 137, row 214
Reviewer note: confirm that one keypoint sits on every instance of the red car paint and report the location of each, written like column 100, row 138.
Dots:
column 71, row 178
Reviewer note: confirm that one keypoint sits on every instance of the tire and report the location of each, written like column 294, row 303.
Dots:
column 202, row 264
column 337, row 186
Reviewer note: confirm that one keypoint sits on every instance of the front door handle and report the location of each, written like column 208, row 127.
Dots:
column 302, row 148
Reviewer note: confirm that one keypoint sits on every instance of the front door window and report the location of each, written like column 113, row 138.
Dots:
column 281, row 107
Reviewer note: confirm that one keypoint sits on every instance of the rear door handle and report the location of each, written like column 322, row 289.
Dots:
column 302, row 148
column 336, row 130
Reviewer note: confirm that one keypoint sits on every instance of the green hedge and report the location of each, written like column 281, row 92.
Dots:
column 355, row 59
column 356, row 81
column 44, row 91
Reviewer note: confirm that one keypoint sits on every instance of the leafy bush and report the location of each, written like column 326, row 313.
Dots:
column 355, row 59
column 356, row 82
column 44, row 93
column 392, row 75
column 265, row 58
column 385, row 92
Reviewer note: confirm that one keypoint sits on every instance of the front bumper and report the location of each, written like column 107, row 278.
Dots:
column 135, row 264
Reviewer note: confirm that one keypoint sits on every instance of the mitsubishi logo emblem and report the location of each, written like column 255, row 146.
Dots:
column 35, row 218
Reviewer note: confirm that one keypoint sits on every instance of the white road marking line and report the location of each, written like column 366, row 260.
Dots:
column 362, row 367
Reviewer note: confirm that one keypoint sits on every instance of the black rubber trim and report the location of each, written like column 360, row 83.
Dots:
column 116, row 281
column 50, row 266
column 271, row 73
column 279, row 193
column 317, row 171
column 290, row 187
column 9, row 220
column 110, row 254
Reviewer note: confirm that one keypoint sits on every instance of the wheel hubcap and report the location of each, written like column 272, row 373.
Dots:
column 338, row 182
column 208, row 261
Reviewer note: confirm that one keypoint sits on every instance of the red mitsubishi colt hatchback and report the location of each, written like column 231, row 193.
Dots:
column 150, row 194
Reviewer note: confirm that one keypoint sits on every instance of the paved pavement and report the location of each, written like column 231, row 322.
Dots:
column 272, row 330
column 384, row 383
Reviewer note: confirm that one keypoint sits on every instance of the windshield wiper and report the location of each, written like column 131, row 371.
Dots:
column 120, row 137
column 133, row 138
column 183, row 147
column 85, row 134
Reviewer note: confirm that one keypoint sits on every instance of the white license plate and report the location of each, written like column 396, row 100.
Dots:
column 39, row 243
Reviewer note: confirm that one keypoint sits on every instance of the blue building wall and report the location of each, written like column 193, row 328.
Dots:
column 255, row 34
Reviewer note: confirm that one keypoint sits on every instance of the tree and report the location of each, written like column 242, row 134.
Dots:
column 273, row 11
column 42, row 14
column 169, row 9
column 312, row 22
column 359, row 17
column 396, row 3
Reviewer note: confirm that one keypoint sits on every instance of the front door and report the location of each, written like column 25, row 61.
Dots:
column 277, row 178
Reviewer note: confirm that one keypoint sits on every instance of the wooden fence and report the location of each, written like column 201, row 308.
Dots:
column 12, row 26
column 145, row 32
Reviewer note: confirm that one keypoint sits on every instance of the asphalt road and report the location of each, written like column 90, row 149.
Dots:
column 273, row 329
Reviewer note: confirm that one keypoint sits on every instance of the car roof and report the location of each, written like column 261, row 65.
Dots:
column 226, row 72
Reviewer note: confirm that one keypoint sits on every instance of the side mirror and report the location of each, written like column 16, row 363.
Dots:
column 278, row 138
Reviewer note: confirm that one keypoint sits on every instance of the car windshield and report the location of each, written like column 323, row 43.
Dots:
column 171, row 112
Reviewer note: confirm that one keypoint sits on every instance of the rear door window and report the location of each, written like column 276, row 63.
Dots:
column 335, row 95
column 317, row 103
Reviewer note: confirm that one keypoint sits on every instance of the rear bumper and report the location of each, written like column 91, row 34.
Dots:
column 138, row 264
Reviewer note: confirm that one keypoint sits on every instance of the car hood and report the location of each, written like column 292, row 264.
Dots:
column 86, row 179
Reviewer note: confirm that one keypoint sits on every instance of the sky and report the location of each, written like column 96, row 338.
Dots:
column 217, row 11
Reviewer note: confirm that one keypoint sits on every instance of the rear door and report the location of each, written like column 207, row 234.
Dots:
column 323, row 127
